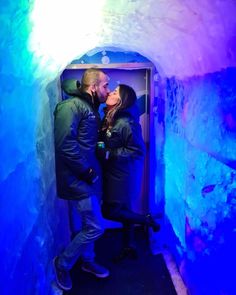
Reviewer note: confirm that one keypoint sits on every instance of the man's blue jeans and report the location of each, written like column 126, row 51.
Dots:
column 91, row 229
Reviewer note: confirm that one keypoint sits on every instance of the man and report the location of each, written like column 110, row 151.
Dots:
column 78, row 173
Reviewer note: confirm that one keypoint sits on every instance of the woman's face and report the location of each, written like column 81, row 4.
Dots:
column 113, row 97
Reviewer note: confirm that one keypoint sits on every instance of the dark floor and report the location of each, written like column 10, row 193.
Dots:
column 147, row 275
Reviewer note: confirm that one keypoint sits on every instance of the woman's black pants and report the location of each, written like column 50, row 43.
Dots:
column 122, row 213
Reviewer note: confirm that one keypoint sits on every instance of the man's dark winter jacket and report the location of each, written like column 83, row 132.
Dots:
column 76, row 125
column 123, row 171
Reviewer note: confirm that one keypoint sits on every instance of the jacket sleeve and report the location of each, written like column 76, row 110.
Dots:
column 66, row 122
column 126, row 141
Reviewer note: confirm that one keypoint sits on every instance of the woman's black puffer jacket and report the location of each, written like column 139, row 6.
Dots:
column 76, row 125
column 123, row 170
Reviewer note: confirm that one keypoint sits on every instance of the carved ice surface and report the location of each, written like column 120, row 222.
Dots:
column 185, row 40
column 200, row 181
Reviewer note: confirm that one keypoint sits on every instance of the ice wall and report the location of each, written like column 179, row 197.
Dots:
column 200, row 169
column 29, row 212
column 38, row 39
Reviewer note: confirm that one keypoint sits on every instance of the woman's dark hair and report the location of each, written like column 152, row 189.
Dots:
column 127, row 95
column 127, row 99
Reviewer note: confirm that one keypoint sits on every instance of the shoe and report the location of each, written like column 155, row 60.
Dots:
column 96, row 269
column 62, row 276
column 129, row 252
column 151, row 222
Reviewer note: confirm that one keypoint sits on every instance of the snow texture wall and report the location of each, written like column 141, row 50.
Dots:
column 193, row 44
column 200, row 169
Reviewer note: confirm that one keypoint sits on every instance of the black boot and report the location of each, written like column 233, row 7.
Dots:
column 151, row 222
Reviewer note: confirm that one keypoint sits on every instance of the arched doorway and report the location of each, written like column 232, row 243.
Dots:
column 137, row 71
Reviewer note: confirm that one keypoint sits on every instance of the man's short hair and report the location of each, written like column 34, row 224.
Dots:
column 90, row 77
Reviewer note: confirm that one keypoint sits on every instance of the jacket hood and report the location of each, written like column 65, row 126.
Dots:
column 70, row 86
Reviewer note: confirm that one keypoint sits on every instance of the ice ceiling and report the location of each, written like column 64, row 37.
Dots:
column 192, row 44
column 183, row 38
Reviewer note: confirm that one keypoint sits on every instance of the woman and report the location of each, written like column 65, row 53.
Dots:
column 124, row 153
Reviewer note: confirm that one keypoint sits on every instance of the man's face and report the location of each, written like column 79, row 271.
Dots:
column 102, row 89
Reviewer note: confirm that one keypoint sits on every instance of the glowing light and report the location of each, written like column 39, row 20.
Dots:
column 63, row 30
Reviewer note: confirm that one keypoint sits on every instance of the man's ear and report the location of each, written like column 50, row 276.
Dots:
column 93, row 88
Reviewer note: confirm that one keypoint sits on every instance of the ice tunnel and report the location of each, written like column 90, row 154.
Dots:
column 192, row 45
